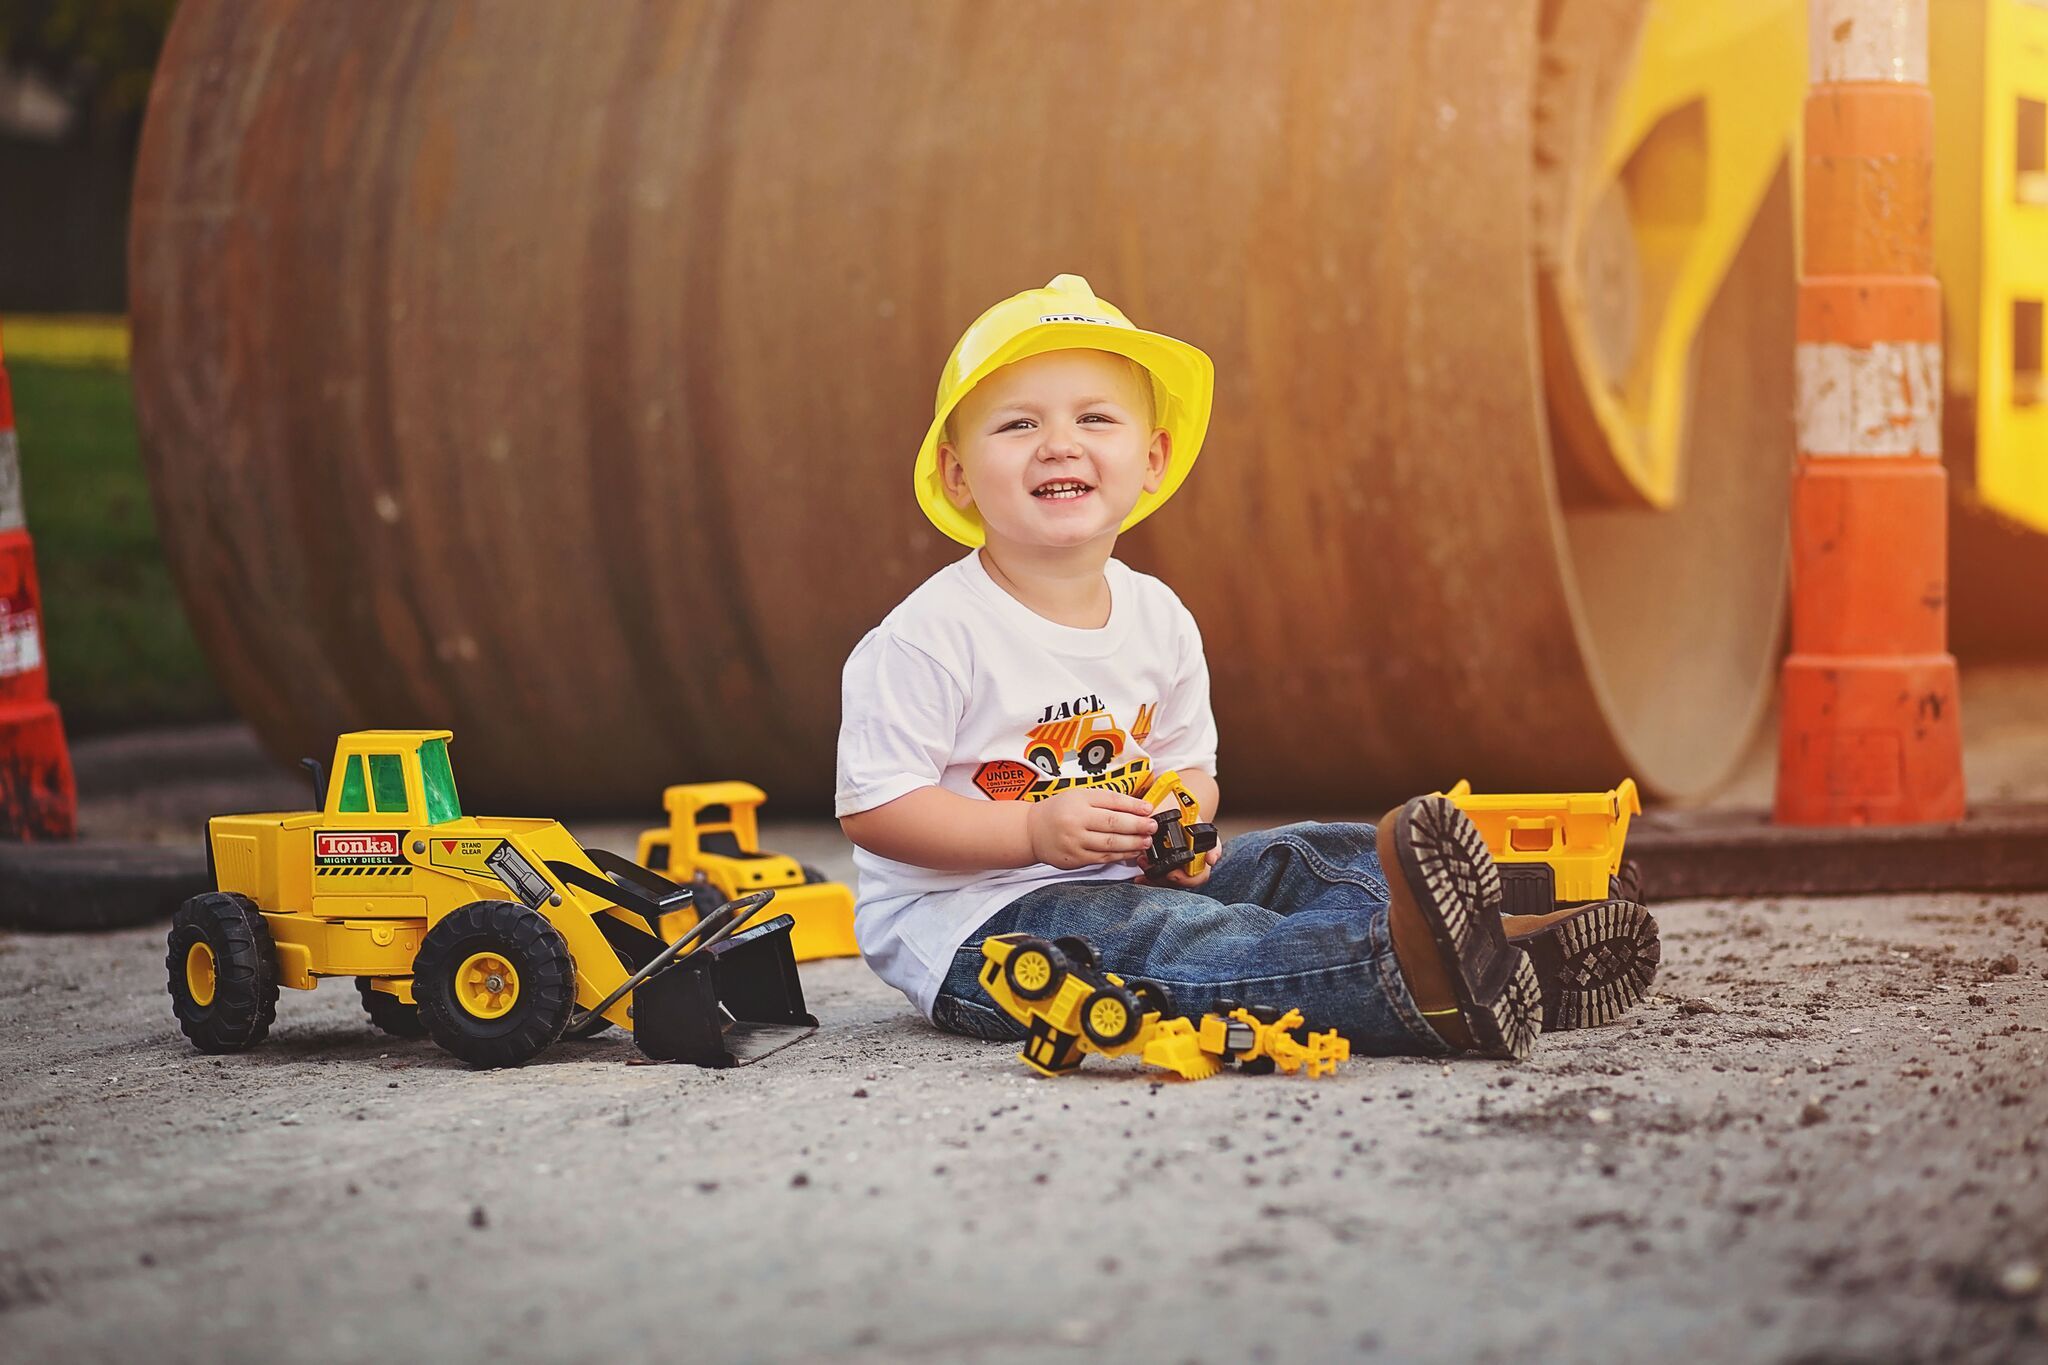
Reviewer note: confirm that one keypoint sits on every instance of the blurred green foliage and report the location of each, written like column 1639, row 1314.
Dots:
column 120, row 652
column 103, row 51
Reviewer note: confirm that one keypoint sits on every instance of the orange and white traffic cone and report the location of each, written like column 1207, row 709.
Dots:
column 38, row 799
column 1869, row 732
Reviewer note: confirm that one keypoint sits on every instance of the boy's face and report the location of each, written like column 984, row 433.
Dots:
column 1055, row 450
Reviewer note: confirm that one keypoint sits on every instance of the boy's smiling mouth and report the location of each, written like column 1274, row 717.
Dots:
column 1062, row 488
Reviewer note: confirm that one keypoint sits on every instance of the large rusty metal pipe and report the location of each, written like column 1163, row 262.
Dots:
column 553, row 373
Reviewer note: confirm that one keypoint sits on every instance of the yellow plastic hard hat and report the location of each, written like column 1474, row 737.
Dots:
column 1067, row 316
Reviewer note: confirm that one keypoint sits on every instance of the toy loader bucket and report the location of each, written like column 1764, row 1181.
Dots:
column 735, row 1002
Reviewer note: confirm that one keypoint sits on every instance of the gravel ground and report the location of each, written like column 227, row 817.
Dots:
column 1821, row 1140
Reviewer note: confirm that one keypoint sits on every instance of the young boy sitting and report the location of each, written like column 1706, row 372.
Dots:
column 998, row 722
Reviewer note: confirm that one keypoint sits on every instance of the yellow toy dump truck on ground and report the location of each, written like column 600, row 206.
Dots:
column 1562, row 848
column 1557, row 852
column 494, row 937
column 713, row 845
column 1071, row 1007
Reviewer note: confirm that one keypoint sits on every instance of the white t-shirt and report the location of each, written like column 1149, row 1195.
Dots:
column 964, row 687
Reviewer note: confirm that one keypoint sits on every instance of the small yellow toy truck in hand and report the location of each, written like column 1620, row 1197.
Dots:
column 1183, row 841
column 1072, row 1007
column 494, row 937
column 713, row 845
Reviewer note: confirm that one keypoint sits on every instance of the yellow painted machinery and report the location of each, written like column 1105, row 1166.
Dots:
column 494, row 937
column 713, row 844
column 1557, row 847
column 1988, row 65
column 1071, row 1007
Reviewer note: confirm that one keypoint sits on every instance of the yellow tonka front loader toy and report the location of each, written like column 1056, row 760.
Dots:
column 713, row 845
column 1182, row 840
column 494, row 937
column 1072, row 1007
column 1559, row 848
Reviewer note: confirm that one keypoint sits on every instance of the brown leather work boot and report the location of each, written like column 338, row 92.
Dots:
column 1477, row 990
column 1593, row 962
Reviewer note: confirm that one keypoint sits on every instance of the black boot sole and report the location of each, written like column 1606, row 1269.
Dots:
column 1442, row 860
column 1594, row 966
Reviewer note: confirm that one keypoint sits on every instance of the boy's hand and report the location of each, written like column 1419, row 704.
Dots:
column 1180, row 877
column 1089, row 825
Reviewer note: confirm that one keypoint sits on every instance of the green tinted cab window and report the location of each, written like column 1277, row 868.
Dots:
column 440, row 781
column 387, row 780
column 355, row 797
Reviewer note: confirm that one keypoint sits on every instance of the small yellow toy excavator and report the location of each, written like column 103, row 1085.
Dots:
column 713, row 845
column 1072, row 1007
column 1183, row 840
column 494, row 937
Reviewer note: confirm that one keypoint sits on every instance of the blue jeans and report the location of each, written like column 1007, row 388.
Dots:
column 1294, row 917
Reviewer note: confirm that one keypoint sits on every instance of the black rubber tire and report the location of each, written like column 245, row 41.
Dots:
column 1053, row 956
column 1079, row 952
column 1045, row 760
column 244, row 1003
column 1124, row 1022
column 1627, row 885
column 705, row 896
column 1153, row 995
column 390, row 1014
column 547, row 983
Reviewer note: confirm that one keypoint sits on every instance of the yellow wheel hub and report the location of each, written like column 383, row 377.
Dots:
column 486, row 986
column 1108, row 1017
column 202, row 976
column 1696, row 132
column 1034, row 970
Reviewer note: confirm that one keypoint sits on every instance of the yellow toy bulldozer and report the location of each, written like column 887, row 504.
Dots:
column 494, row 937
column 713, row 845
column 1069, row 1007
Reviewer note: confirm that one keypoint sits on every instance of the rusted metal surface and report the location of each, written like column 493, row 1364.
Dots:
column 553, row 373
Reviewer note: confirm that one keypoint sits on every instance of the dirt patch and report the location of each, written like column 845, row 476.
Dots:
column 1817, row 1140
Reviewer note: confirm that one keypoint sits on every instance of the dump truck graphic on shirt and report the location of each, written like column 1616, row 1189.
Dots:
column 1093, row 737
column 1082, row 731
